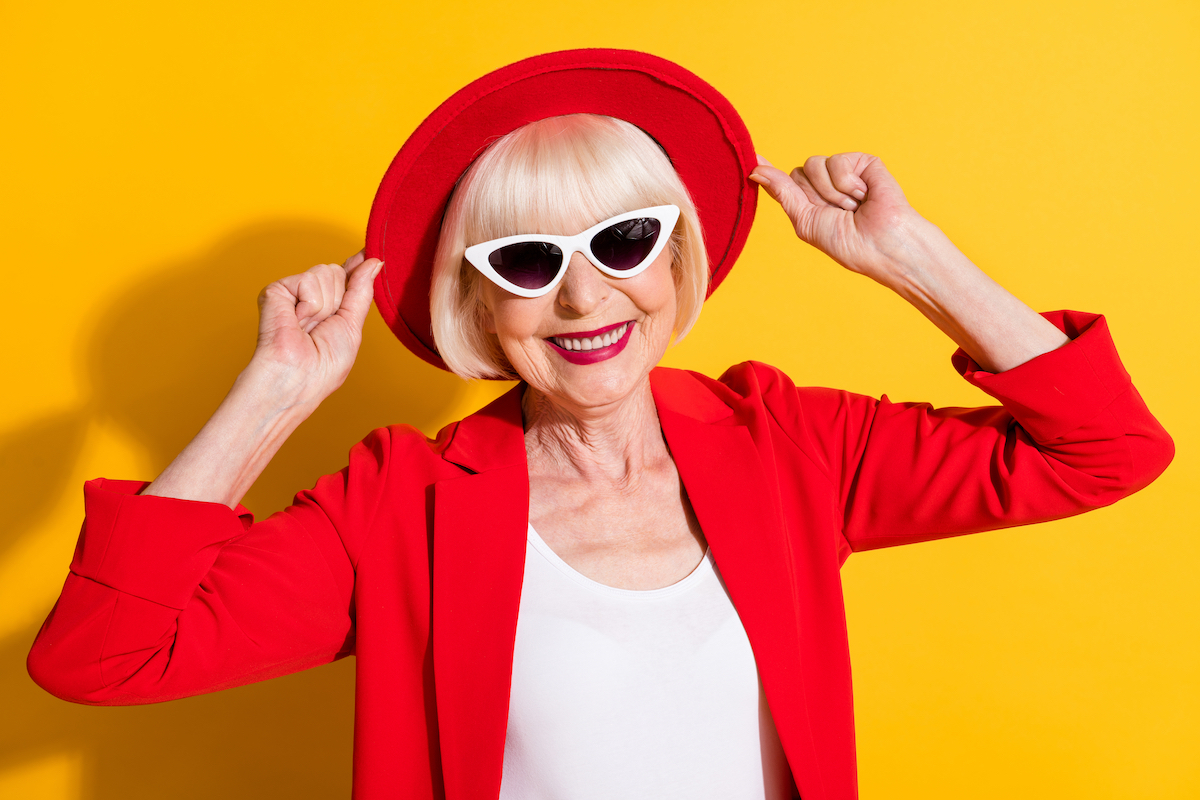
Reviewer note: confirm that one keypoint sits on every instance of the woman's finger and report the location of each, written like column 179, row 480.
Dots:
column 310, row 300
column 359, row 291
column 783, row 190
column 817, row 171
column 277, row 303
column 332, row 279
column 882, row 185
column 316, row 295
column 798, row 177
column 337, row 280
column 843, row 172
column 354, row 260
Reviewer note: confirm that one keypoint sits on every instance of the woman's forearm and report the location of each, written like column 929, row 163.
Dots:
column 233, row 448
column 987, row 321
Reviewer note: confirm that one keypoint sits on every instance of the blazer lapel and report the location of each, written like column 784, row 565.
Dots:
column 480, row 524
column 738, row 508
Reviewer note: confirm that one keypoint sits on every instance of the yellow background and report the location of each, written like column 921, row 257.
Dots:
column 162, row 162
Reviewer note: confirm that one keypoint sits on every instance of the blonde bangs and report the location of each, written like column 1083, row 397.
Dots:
column 561, row 175
column 557, row 175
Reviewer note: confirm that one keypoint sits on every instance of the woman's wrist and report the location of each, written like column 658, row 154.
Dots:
column 989, row 323
column 276, row 389
column 912, row 255
column 264, row 406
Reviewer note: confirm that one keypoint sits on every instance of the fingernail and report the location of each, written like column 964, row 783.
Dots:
column 859, row 193
column 762, row 162
column 849, row 204
column 766, row 185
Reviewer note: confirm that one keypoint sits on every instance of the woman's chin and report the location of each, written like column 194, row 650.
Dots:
column 596, row 385
column 592, row 379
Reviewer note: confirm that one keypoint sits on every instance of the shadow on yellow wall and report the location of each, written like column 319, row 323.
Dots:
column 158, row 363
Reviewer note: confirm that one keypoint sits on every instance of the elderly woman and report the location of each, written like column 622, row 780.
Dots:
column 616, row 580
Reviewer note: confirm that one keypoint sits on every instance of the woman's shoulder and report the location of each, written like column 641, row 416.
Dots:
column 748, row 385
column 403, row 443
column 492, row 436
column 815, row 419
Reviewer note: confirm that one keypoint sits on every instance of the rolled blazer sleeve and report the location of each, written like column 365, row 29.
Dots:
column 168, row 598
column 1071, row 434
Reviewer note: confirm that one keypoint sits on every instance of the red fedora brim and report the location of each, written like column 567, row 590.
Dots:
column 701, row 132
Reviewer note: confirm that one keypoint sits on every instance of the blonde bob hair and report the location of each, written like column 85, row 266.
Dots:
column 556, row 175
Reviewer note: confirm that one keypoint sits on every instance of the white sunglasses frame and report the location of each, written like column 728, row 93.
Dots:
column 478, row 254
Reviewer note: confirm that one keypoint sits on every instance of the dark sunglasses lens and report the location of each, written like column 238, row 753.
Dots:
column 530, row 265
column 626, row 244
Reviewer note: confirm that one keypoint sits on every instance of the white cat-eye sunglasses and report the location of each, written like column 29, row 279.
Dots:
column 531, row 265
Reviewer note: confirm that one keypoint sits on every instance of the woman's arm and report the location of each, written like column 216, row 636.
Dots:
column 907, row 472
column 168, row 597
column 310, row 328
column 851, row 208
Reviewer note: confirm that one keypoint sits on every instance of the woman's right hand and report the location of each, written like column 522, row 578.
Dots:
column 309, row 329
column 310, row 325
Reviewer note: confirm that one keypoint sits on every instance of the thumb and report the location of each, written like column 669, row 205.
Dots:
column 359, row 291
column 783, row 190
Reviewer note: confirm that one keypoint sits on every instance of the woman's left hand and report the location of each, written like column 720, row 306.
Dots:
column 849, row 207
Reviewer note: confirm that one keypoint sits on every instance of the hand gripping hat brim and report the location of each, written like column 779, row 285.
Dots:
column 702, row 134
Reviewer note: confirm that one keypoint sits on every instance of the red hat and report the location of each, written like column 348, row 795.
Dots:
column 704, row 137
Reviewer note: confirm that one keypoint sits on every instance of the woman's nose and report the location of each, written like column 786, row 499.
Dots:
column 584, row 288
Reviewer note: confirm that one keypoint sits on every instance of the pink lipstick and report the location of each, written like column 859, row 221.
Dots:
column 589, row 347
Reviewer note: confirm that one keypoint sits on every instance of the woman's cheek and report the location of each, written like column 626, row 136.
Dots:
column 662, row 324
column 515, row 321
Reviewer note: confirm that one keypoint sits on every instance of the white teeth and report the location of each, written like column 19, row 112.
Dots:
column 594, row 343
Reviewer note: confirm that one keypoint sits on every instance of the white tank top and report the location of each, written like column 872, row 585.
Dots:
column 630, row 694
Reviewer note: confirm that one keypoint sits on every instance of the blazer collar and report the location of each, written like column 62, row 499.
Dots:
column 480, row 529
column 494, row 436
column 491, row 438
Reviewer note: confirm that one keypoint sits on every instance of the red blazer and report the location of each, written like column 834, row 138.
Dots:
column 411, row 558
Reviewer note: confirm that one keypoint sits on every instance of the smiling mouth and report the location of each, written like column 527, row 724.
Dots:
column 593, row 340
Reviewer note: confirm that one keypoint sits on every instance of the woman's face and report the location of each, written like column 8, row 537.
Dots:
column 543, row 336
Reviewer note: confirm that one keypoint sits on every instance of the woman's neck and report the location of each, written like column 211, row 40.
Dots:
column 614, row 443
